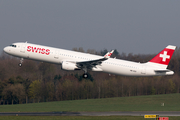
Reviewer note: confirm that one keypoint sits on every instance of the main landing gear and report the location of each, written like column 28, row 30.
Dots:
column 85, row 75
column 21, row 61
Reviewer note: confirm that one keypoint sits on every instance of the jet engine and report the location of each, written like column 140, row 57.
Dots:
column 69, row 66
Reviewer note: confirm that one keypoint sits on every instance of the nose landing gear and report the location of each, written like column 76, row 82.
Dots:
column 21, row 61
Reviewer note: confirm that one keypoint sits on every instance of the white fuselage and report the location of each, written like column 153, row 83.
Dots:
column 58, row 56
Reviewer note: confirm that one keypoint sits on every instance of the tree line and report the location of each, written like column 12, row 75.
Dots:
column 41, row 82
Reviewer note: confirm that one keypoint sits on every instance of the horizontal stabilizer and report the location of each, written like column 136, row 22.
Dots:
column 162, row 70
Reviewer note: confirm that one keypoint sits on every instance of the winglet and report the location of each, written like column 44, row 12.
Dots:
column 108, row 54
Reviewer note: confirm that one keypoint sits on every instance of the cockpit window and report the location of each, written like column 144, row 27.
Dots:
column 13, row 45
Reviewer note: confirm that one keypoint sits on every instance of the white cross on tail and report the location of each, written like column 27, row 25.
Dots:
column 164, row 56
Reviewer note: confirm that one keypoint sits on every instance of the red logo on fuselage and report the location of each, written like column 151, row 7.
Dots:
column 38, row 50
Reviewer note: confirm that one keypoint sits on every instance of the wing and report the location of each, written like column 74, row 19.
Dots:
column 92, row 63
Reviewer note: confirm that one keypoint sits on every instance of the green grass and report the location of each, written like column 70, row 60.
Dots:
column 69, row 118
column 137, row 103
column 78, row 118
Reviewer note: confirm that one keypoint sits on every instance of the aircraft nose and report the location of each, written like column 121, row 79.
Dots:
column 5, row 49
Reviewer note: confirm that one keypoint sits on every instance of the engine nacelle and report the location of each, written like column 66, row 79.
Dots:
column 69, row 66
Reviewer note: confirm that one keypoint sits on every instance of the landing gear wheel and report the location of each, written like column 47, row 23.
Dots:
column 85, row 75
column 20, row 64
column 21, row 61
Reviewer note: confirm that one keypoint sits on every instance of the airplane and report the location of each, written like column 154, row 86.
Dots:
column 71, row 60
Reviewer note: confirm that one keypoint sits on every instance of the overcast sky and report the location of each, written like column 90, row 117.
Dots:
column 130, row 26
